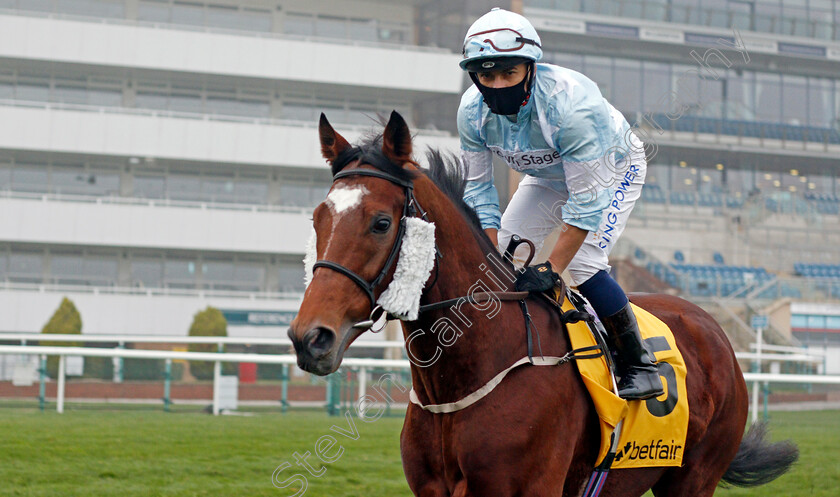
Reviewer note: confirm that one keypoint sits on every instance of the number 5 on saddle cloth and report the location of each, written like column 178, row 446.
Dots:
column 636, row 434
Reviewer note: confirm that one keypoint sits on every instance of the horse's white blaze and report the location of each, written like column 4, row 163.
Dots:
column 343, row 198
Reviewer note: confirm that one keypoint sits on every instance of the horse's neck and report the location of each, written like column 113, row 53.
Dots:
column 456, row 350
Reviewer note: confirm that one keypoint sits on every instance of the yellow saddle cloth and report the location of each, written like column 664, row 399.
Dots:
column 654, row 430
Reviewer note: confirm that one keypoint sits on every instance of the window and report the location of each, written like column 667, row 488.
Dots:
column 330, row 27
column 816, row 322
column 249, row 276
column 254, row 20
column 222, row 16
column 30, row 178
column 104, row 98
column 149, row 186
column 362, row 29
column 147, row 272
column 67, row 269
column 101, row 269
column 182, row 187
column 156, row 101
column 599, row 70
column 301, row 194
column 33, row 92
column 656, row 87
column 179, row 273
column 295, row 194
column 5, row 177
column 820, row 102
column 153, row 11
column 299, row 24
column 251, row 191
column 768, row 97
column 92, row 8
column 794, row 100
column 185, row 103
column 298, row 112
column 70, row 180
column 7, row 91
column 217, row 189
column 188, row 13
column 217, row 271
column 25, row 267
column 290, row 277
column 36, row 5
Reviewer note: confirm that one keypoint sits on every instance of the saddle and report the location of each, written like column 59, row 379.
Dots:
column 635, row 434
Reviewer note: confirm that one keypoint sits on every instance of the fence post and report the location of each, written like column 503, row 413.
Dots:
column 119, row 365
column 167, row 381
column 757, row 385
column 217, row 373
column 284, row 385
column 362, row 382
column 42, row 390
column 60, row 395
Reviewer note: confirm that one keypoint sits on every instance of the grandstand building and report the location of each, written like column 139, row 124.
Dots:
column 158, row 156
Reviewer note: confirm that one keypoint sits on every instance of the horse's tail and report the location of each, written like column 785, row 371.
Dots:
column 759, row 461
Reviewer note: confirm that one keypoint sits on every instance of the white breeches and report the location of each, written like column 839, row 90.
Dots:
column 534, row 212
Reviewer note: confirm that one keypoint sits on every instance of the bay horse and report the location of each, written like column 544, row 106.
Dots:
column 537, row 433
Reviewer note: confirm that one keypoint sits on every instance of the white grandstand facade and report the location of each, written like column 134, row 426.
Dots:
column 159, row 156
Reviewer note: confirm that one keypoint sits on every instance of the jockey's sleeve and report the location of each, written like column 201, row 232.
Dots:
column 484, row 199
column 584, row 141
column 477, row 160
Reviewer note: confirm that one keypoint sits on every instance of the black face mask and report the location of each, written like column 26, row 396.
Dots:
column 505, row 101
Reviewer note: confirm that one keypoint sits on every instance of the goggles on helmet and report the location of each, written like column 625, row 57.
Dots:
column 500, row 40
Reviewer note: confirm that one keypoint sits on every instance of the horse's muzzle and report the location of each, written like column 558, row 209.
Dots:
column 314, row 351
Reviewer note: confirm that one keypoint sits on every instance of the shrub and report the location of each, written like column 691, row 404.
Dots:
column 65, row 321
column 209, row 322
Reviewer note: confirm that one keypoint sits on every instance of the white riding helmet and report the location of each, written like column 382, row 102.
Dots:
column 496, row 36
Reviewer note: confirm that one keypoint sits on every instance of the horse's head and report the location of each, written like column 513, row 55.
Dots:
column 359, row 230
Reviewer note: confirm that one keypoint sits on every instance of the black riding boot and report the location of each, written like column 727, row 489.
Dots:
column 634, row 364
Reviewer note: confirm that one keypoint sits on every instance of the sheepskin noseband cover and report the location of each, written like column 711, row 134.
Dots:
column 415, row 263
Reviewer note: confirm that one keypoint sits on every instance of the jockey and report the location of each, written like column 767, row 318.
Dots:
column 584, row 170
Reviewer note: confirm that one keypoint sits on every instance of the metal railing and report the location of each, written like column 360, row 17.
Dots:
column 363, row 366
column 134, row 111
column 226, row 31
column 154, row 202
column 149, row 292
column 659, row 10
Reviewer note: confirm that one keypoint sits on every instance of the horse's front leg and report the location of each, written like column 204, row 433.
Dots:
column 422, row 455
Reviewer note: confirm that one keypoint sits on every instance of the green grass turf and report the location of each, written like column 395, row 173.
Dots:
column 145, row 452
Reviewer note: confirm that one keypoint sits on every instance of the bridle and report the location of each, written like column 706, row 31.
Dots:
column 411, row 207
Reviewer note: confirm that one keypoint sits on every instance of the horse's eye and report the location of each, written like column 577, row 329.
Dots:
column 381, row 225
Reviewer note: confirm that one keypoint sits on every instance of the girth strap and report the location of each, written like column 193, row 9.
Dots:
column 576, row 354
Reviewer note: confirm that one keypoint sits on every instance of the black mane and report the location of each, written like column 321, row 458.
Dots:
column 369, row 151
column 444, row 170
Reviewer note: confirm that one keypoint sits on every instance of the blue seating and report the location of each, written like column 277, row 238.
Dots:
column 735, row 127
column 712, row 280
column 821, row 271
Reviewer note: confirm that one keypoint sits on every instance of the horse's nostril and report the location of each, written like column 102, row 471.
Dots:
column 319, row 341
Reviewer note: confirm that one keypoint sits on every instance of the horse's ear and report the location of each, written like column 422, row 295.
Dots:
column 396, row 139
column 332, row 143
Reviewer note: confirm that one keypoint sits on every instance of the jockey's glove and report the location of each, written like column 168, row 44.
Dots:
column 539, row 278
